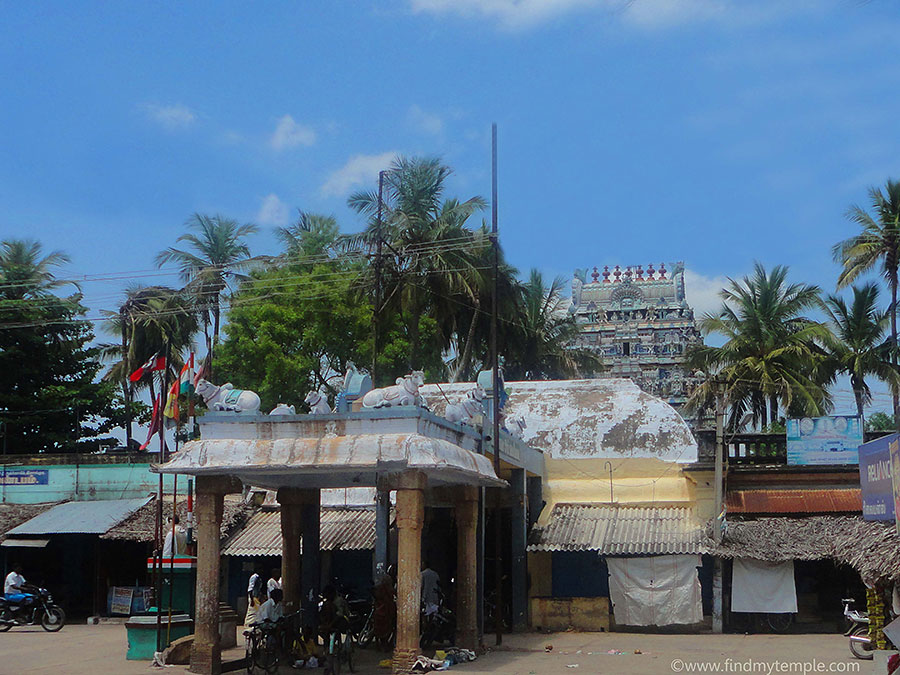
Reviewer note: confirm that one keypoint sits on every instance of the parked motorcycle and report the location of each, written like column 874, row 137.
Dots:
column 37, row 607
column 860, row 645
column 438, row 626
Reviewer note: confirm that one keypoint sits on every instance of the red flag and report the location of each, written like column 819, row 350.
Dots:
column 156, row 362
column 154, row 424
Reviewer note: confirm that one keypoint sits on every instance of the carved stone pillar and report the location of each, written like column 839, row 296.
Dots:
column 467, row 568
column 206, row 652
column 290, row 500
column 410, row 518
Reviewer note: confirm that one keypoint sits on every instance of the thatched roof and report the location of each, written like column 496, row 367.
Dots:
column 13, row 515
column 141, row 525
column 871, row 548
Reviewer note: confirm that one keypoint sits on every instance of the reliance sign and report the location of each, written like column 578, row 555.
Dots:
column 875, row 477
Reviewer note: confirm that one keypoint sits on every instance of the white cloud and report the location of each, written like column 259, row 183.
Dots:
column 702, row 293
column 359, row 170
column 430, row 123
column 289, row 134
column 643, row 14
column 171, row 117
column 272, row 211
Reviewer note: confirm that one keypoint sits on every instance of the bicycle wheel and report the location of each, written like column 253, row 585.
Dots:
column 348, row 651
column 780, row 623
column 367, row 633
column 250, row 653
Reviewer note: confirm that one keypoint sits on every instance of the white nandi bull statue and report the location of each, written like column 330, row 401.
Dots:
column 405, row 392
column 516, row 427
column 226, row 397
column 284, row 409
column 466, row 409
column 317, row 402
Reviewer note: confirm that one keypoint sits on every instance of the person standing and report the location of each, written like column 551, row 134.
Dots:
column 431, row 589
column 180, row 539
column 274, row 581
column 255, row 596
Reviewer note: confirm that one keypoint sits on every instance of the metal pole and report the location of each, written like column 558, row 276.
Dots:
column 719, row 463
column 174, row 550
column 159, row 498
column 376, row 313
column 498, row 562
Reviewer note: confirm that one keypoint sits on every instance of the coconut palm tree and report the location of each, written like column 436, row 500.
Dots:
column 151, row 320
column 876, row 246
column 544, row 332
column 858, row 347
column 772, row 357
column 313, row 235
column 217, row 254
column 25, row 272
column 431, row 258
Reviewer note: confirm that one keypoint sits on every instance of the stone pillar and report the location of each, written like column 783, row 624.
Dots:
column 410, row 518
column 382, row 529
column 717, row 597
column 467, row 568
column 312, row 559
column 519, row 570
column 290, row 500
column 206, row 652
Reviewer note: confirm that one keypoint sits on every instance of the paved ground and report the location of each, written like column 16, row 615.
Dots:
column 100, row 650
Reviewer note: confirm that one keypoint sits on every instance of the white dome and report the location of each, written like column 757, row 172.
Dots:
column 591, row 419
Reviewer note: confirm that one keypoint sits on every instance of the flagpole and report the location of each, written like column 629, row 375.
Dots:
column 162, row 460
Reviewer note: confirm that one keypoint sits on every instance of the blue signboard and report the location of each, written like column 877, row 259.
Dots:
column 875, row 478
column 24, row 477
column 824, row 440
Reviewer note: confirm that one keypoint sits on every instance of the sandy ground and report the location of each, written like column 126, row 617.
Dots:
column 96, row 650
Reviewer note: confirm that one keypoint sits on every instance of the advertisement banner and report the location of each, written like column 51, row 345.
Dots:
column 121, row 600
column 875, row 478
column 25, row 477
column 894, row 449
column 824, row 440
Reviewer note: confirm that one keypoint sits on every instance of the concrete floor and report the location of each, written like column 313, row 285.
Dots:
column 95, row 650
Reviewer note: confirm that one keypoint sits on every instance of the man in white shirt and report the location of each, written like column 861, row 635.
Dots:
column 431, row 589
column 255, row 593
column 272, row 609
column 274, row 582
column 14, row 585
column 180, row 539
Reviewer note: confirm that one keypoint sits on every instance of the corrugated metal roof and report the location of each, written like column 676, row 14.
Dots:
column 620, row 530
column 339, row 529
column 95, row 517
column 837, row 500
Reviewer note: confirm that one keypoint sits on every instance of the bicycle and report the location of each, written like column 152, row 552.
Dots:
column 263, row 648
column 339, row 649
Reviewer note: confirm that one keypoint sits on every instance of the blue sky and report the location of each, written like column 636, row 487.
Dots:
column 709, row 131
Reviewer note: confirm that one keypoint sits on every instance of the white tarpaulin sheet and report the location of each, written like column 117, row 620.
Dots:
column 759, row 586
column 655, row 591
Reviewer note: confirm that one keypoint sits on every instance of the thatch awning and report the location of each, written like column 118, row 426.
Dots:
column 141, row 525
column 13, row 515
column 871, row 548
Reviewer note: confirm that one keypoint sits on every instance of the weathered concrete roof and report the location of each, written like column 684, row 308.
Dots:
column 590, row 419
column 619, row 530
column 331, row 460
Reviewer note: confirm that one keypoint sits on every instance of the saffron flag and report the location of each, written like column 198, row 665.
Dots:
column 186, row 377
column 156, row 362
column 171, row 409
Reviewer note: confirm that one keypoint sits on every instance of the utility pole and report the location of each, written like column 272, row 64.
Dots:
column 376, row 313
column 498, row 511
column 718, row 521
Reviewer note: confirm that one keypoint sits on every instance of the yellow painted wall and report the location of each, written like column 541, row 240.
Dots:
column 635, row 482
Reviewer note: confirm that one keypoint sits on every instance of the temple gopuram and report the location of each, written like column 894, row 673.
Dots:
column 639, row 321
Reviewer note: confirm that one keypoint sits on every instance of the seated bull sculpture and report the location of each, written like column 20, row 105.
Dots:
column 227, row 398
column 404, row 392
column 317, row 402
column 466, row 409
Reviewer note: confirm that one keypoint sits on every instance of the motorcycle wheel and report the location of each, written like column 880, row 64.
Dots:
column 859, row 649
column 5, row 627
column 53, row 619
